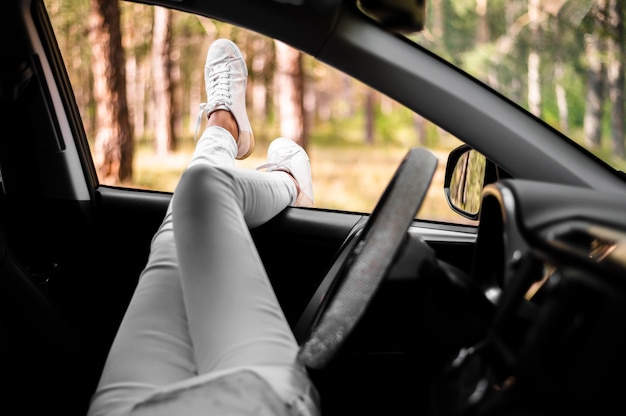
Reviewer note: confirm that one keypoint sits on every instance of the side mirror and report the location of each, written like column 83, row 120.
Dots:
column 464, row 181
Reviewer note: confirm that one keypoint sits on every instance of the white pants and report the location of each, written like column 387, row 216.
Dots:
column 204, row 306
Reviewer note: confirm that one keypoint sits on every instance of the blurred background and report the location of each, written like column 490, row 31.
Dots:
column 137, row 74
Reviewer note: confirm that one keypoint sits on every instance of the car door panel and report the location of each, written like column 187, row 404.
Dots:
column 297, row 247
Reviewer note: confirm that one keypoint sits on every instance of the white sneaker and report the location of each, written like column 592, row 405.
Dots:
column 226, row 76
column 286, row 155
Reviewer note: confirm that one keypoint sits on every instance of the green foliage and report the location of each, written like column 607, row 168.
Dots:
column 339, row 132
column 395, row 128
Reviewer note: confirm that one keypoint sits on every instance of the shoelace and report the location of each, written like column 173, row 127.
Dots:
column 220, row 97
column 283, row 161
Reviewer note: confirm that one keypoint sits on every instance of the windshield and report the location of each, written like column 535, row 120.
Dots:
column 562, row 60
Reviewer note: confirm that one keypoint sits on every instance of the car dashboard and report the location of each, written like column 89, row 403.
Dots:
column 552, row 260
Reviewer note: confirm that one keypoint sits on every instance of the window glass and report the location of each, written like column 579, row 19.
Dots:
column 355, row 136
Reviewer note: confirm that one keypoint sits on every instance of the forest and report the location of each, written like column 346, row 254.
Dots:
column 148, row 60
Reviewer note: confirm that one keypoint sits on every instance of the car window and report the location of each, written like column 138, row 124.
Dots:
column 355, row 136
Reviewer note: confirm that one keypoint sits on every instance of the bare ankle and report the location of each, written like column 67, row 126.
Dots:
column 226, row 120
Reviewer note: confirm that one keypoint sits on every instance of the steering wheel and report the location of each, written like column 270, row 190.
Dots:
column 352, row 281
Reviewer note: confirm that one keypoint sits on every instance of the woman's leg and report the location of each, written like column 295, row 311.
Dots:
column 234, row 317
column 235, row 320
column 154, row 346
column 158, row 345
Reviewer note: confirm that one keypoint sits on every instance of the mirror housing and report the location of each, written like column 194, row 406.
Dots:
column 401, row 16
column 464, row 181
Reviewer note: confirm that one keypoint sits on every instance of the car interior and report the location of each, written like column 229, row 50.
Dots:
column 521, row 314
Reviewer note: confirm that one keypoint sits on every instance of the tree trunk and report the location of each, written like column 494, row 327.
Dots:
column 420, row 129
column 561, row 97
column 615, row 75
column 534, row 61
column 436, row 18
column 258, row 81
column 559, row 89
column 370, row 116
column 290, row 85
column 595, row 79
column 482, row 26
column 162, row 82
column 113, row 141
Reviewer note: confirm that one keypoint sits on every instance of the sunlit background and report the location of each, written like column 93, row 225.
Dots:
column 355, row 136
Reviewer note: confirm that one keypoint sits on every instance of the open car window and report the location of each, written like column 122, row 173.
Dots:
column 355, row 136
